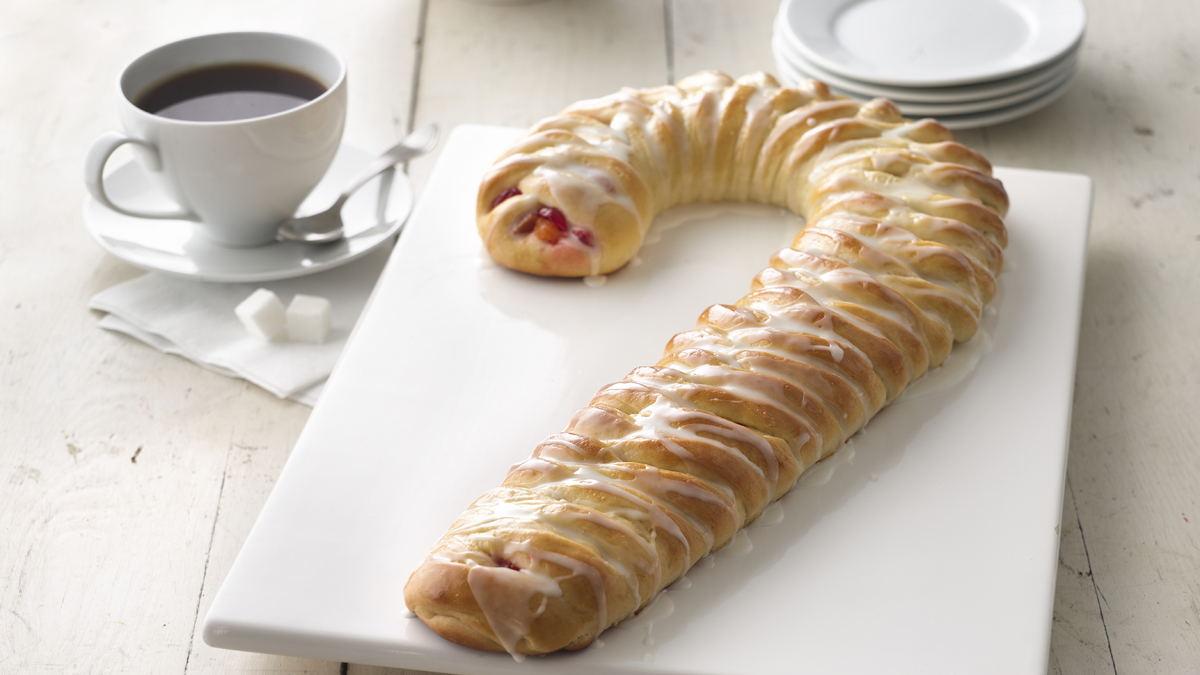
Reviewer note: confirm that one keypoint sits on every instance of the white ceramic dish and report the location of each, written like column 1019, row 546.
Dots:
column 978, row 119
column 932, row 547
column 1002, row 115
column 988, row 105
column 788, row 56
column 169, row 247
column 923, row 43
column 793, row 74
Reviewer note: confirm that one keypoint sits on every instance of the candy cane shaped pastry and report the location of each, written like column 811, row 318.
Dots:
column 903, row 240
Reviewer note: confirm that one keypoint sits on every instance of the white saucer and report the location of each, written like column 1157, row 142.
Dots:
column 988, row 105
column 787, row 53
column 984, row 118
column 922, row 43
column 1001, row 115
column 168, row 246
column 793, row 73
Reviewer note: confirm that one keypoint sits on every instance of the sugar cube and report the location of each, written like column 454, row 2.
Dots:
column 309, row 318
column 262, row 314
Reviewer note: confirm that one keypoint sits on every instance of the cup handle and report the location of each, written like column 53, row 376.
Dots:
column 93, row 174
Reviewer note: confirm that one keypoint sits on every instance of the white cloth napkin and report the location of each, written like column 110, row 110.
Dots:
column 195, row 320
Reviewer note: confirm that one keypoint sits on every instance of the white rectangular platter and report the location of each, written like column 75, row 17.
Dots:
column 927, row 545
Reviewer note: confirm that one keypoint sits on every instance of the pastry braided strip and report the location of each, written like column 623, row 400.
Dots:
column 903, row 240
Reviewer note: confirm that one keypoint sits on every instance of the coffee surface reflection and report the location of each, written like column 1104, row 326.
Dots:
column 227, row 92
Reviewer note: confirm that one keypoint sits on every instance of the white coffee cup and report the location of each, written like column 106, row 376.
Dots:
column 236, row 179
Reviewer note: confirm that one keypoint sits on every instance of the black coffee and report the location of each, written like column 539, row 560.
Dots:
column 234, row 91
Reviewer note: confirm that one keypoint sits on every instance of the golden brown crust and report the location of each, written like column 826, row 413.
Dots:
column 903, row 240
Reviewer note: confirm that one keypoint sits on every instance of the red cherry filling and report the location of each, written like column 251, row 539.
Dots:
column 501, row 562
column 549, row 225
column 546, row 223
column 508, row 193
column 554, row 216
column 584, row 236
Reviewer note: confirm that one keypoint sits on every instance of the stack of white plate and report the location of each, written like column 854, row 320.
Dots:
column 969, row 63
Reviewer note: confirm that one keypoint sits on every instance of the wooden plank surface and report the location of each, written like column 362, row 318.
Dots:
column 129, row 478
column 1129, row 122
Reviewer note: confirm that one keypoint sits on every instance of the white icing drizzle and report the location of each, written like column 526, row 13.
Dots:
column 890, row 242
column 658, row 610
column 772, row 515
column 579, row 189
column 752, row 340
column 648, row 134
column 666, row 420
column 821, row 472
column 740, row 545
column 734, row 381
column 961, row 363
column 644, row 489
column 831, row 285
column 565, row 522
column 822, row 328
column 505, row 594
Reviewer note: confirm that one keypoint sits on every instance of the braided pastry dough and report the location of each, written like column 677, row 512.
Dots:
column 903, row 240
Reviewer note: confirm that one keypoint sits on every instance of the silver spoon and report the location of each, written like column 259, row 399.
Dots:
column 325, row 227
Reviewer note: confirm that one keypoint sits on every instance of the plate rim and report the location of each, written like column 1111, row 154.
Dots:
column 984, row 75
column 919, row 108
column 998, row 115
column 1002, row 115
column 786, row 54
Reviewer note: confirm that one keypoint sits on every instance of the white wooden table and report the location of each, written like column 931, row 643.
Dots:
column 129, row 479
